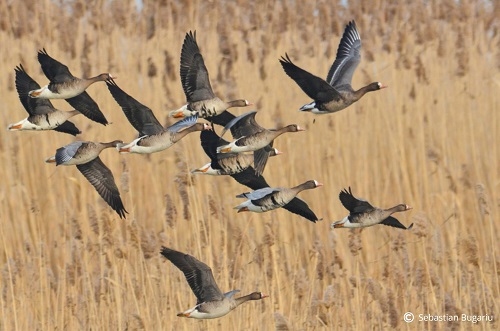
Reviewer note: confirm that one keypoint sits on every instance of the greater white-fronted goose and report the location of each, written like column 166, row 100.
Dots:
column 63, row 85
column 270, row 198
column 363, row 214
column 42, row 115
column 85, row 155
column 249, row 178
column 336, row 93
column 228, row 163
column 200, row 97
column 250, row 136
column 153, row 137
column 211, row 302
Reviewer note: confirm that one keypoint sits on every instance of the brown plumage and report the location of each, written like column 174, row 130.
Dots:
column 63, row 85
column 211, row 302
column 195, row 82
column 85, row 155
column 363, row 214
column 336, row 93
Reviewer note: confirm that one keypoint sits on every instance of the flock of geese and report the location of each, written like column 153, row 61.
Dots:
column 244, row 158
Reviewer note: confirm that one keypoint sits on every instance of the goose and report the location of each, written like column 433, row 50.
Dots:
column 269, row 198
column 249, row 178
column 153, row 137
column 195, row 82
column 228, row 163
column 42, row 115
column 85, row 155
column 63, row 85
column 363, row 214
column 211, row 302
column 336, row 93
column 250, row 136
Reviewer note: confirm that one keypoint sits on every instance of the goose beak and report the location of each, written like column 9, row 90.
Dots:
column 300, row 129
column 34, row 93
column 337, row 225
column 183, row 314
column 381, row 86
column 408, row 207
column 15, row 126
column 203, row 170
column 51, row 159
column 243, row 209
column 177, row 115
column 319, row 184
column 123, row 150
column 264, row 295
column 225, row 150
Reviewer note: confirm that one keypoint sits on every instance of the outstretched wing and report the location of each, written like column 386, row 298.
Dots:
column 198, row 275
column 353, row 204
column 348, row 57
column 316, row 88
column 140, row 116
column 299, row 207
column 194, row 74
column 54, row 70
column 391, row 221
column 103, row 181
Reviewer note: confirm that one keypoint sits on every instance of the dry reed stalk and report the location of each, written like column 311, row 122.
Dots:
column 461, row 156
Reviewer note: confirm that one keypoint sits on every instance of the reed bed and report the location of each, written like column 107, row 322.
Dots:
column 430, row 140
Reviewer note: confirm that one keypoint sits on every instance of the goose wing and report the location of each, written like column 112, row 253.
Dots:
column 198, row 275
column 103, row 181
column 243, row 125
column 299, row 207
column 258, row 194
column 140, row 116
column 24, row 84
column 316, row 88
column 68, row 127
column 194, row 74
column 353, row 204
column 348, row 57
column 54, row 70
column 248, row 178
column 391, row 221
column 88, row 107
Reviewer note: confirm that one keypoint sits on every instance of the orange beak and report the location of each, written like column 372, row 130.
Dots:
column 183, row 315
column 225, row 150
column 178, row 115
column 34, row 94
column 243, row 209
column 124, row 150
column 15, row 126
column 51, row 159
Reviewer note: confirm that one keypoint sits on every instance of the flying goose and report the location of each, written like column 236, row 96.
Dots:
column 195, row 82
column 63, row 85
column 228, row 163
column 269, row 198
column 249, row 178
column 363, row 214
column 85, row 155
column 250, row 136
column 153, row 137
column 336, row 93
column 211, row 302
column 42, row 115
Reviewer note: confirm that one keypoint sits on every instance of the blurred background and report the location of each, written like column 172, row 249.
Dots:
column 431, row 140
